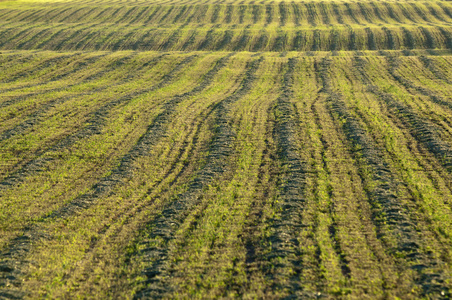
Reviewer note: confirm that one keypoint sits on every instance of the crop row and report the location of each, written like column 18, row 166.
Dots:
column 303, row 175
column 324, row 26
column 105, row 37
column 283, row 14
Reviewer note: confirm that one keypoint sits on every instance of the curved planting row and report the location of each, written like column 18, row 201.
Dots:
column 390, row 216
column 14, row 254
column 37, row 115
column 95, row 119
column 423, row 130
column 429, row 64
column 283, row 238
column 160, row 231
column 153, row 134
column 186, row 37
column 412, row 86
column 229, row 175
column 283, row 13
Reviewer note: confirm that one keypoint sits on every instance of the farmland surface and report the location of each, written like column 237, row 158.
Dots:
column 225, row 149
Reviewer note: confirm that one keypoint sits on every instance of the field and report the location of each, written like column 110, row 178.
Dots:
column 225, row 149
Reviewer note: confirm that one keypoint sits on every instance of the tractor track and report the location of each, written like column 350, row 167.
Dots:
column 14, row 254
column 265, row 190
column 80, row 65
column 384, row 196
column 430, row 64
column 422, row 130
column 162, row 185
column 173, row 215
column 434, row 97
column 292, row 184
column 37, row 116
column 96, row 120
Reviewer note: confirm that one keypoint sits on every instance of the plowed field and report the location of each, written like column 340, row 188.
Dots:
column 225, row 149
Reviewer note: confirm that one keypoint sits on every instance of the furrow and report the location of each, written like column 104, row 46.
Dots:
column 283, row 14
column 434, row 12
column 134, row 212
column 79, row 66
column 447, row 35
column 446, row 9
column 265, row 189
column 49, row 64
column 365, row 13
column 215, row 14
column 268, row 14
column 371, row 43
column 243, row 41
column 409, row 40
column 162, row 229
column 392, row 14
column 389, row 39
column 334, row 40
column 13, row 256
column 123, row 18
column 242, row 13
column 191, row 13
column 55, row 12
column 85, row 15
column 337, row 13
column 383, row 195
column 206, row 43
column 419, row 12
column 23, row 97
column 170, row 10
column 324, row 9
column 173, row 38
column 316, row 41
column 352, row 40
column 153, row 14
column 229, row 13
column 351, row 14
column 154, row 133
column 311, row 16
column 434, row 97
column 41, row 37
column 138, row 18
column 257, row 13
column 96, row 120
column 378, row 13
column 429, row 64
column 299, row 41
column 285, row 253
column 44, row 64
column 228, row 35
column 9, row 35
column 30, row 15
column 430, row 41
column 406, row 13
column 326, row 202
column 64, row 40
column 37, row 116
column 424, row 131
column 65, row 19
column 202, row 13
